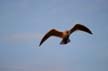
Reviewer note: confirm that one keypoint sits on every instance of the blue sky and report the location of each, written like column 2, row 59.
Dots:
column 24, row 22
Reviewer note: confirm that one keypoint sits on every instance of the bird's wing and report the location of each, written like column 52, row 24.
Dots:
column 52, row 32
column 81, row 28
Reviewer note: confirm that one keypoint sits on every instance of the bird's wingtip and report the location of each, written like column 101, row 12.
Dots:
column 91, row 33
column 39, row 45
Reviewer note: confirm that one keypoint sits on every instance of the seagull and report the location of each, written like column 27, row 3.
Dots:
column 64, row 35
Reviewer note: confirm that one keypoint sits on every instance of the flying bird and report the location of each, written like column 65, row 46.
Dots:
column 64, row 35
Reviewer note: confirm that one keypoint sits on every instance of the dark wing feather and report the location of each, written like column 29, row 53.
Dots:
column 81, row 28
column 52, row 32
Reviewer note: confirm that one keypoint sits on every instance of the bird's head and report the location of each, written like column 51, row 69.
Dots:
column 67, row 32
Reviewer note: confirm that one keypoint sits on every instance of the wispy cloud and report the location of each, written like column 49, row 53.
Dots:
column 20, row 37
column 32, row 67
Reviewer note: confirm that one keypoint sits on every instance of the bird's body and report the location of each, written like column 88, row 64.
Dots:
column 65, row 35
column 65, row 38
